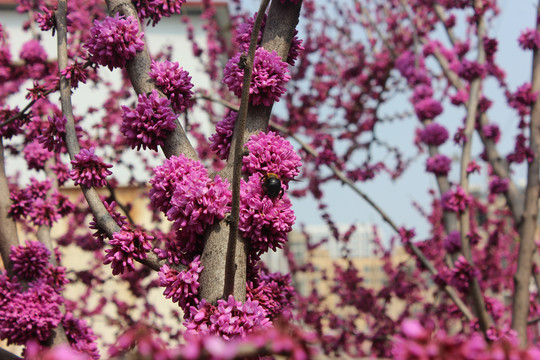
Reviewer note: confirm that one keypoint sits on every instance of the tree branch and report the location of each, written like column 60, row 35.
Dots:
column 8, row 228
column 230, row 267
column 278, row 33
column 527, row 230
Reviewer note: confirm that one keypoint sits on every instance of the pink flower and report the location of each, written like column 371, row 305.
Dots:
column 30, row 314
column 452, row 242
column 53, row 136
column 36, row 155
column 15, row 127
column 127, row 245
column 270, row 75
column 456, row 200
column 491, row 131
column 498, row 185
column 33, row 52
column 529, row 39
column 114, row 40
column 149, row 124
column 89, row 170
column 30, row 261
column 174, row 81
column 182, row 189
column 462, row 274
column 434, row 134
column 470, row 70
column 428, row 108
column 153, row 10
column 183, row 286
column 438, row 165
column 270, row 153
column 274, row 293
column 80, row 336
column 265, row 222
column 220, row 142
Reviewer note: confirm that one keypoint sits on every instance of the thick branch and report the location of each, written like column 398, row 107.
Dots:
column 230, row 267
column 137, row 68
column 278, row 34
column 527, row 246
column 103, row 218
column 8, row 228
column 472, row 110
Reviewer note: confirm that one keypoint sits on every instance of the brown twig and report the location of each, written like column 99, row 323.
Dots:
column 230, row 268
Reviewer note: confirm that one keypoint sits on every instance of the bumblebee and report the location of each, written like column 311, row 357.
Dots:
column 271, row 184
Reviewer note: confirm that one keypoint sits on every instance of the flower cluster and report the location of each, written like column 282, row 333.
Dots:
column 183, row 191
column 462, row 274
column 439, row 165
column 456, row 200
column 521, row 151
column 33, row 52
column 498, row 185
column 418, row 343
column 30, row 314
column 269, row 152
column 470, row 70
column 80, row 336
column 154, row 10
column 434, row 134
column 492, row 131
column 274, row 293
column 428, row 108
column 30, row 261
column 13, row 128
column 36, row 155
column 149, row 124
column 114, row 41
column 269, row 77
column 53, row 136
column 529, row 39
column 33, row 203
column 89, row 170
column 220, row 142
column 182, row 286
column 452, row 242
column 229, row 319
column 174, row 81
column 263, row 220
column 127, row 245
column 523, row 99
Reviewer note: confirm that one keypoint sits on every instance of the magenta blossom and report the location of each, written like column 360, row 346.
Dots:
column 149, row 124
column 270, row 75
column 428, row 108
column 127, row 245
column 271, row 153
column 29, row 262
column 498, row 185
column 182, row 189
column 265, row 222
column 36, row 155
column 114, row 41
column 154, row 10
column 438, row 165
column 80, row 335
column 452, row 242
column 89, row 170
column 456, row 200
column 529, row 39
column 183, row 286
column 434, row 134
column 53, row 136
column 174, row 81
column 33, row 52
column 30, row 314
column 220, row 142
column 462, row 274
column 229, row 319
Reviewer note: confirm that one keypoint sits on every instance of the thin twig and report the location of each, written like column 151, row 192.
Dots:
column 451, row 292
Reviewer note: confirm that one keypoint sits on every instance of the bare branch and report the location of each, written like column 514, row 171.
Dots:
column 8, row 228
column 527, row 230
